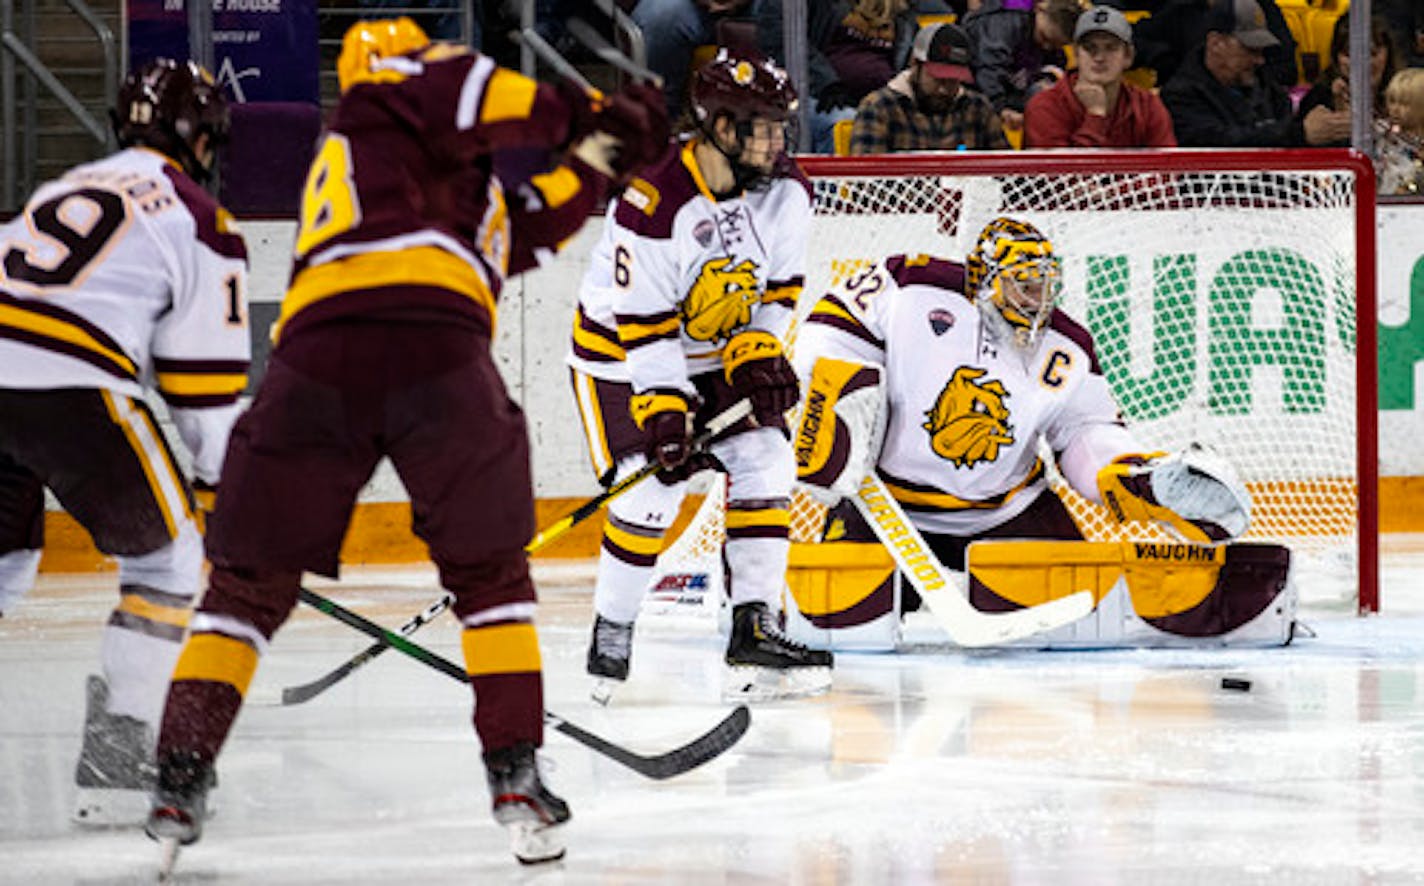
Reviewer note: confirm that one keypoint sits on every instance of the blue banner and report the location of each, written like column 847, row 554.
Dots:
column 263, row 50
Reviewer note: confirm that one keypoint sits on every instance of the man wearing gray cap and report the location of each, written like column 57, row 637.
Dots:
column 1219, row 97
column 1092, row 107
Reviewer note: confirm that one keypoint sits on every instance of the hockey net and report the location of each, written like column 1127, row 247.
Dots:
column 1229, row 293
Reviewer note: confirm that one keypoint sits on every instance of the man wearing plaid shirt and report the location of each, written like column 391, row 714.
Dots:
column 929, row 106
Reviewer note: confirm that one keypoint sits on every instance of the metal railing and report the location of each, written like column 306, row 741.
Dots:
column 17, row 46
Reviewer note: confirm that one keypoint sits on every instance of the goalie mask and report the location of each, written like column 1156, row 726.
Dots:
column 1015, row 278
column 367, row 42
column 167, row 105
column 758, row 99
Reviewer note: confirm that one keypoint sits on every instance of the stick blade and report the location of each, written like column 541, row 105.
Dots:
column 707, row 747
column 970, row 628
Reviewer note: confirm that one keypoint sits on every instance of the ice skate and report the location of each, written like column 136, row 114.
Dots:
column 116, row 771
column 180, row 806
column 532, row 814
column 609, row 652
column 764, row 664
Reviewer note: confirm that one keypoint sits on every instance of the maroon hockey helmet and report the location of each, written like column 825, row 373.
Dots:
column 742, row 85
column 165, row 105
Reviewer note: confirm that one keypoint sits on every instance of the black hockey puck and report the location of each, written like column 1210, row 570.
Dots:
column 1236, row 683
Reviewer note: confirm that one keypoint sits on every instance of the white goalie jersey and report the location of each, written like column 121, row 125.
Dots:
column 966, row 414
column 124, row 274
column 678, row 272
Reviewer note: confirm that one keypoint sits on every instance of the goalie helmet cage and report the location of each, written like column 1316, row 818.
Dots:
column 1229, row 293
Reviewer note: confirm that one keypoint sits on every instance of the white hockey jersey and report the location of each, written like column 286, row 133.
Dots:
column 965, row 413
column 124, row 274
column 678, row 272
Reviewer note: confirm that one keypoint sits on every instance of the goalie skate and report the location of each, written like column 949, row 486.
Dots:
column 530, row 812
column 116, row 771
column 763, row 664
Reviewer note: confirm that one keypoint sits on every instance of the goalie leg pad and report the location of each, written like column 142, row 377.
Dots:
column 843, row 596
column 838, row 435
column 1147, row 594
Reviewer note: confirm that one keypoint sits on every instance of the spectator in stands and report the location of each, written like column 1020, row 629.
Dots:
column 853, row 47
column 928, row 106
column 1220, row 97
column 1399, row 142
column 1092, row 107
column 1018, row 50
column 1324, row 112
column 672, row 29
column 1174, row 31
column 1406, row 24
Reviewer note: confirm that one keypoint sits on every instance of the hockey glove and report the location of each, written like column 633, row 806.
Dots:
column 758, row 370
column 626, row 131
column 667, row 431
column 1193, row 493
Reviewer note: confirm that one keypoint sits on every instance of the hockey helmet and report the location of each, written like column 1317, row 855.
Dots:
column 753, row 93
column 742, row 85
column 366, row 42
column 1015, row 277
column 166, row 105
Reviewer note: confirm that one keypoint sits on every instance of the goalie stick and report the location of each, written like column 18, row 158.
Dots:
column 292, row 695
column 964, row 624
column 681, row 759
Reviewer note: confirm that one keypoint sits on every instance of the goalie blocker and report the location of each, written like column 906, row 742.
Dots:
column 846, row 595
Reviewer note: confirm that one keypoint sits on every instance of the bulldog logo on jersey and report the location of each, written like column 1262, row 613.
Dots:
column 969, row 421
column 721, row 299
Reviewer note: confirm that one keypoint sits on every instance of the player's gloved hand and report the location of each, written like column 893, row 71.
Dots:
column 663, row 416
column 757, row 369
column 637, row 117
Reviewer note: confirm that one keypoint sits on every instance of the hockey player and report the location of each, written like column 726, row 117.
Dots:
column 121, row 276
column 382, row 348
column 682, row 313
column 980, row 366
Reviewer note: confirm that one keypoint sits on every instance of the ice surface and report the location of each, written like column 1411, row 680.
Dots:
column 937, row 766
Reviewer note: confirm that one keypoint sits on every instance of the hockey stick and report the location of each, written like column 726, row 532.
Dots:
column 584, row 33
column 554, row 59
column 965, row 625
column 297, row 694
column 681, row 759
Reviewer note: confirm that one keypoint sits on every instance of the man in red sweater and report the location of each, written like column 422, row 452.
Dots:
column 1092, row 107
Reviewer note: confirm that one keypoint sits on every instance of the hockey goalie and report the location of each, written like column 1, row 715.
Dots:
column 941, row 390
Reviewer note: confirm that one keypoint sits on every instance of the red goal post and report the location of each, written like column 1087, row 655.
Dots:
column 1229, row 293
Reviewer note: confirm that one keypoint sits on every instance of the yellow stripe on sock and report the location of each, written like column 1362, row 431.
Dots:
column 737, row 518
column 633, row 543
column 218, row 659
column 501, row 649
column 133, row 604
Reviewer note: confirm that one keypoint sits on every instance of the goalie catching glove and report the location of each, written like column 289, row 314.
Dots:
column 757, row 369
column 1193, row 493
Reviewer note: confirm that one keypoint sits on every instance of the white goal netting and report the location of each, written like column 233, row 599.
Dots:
column 1224, row 293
